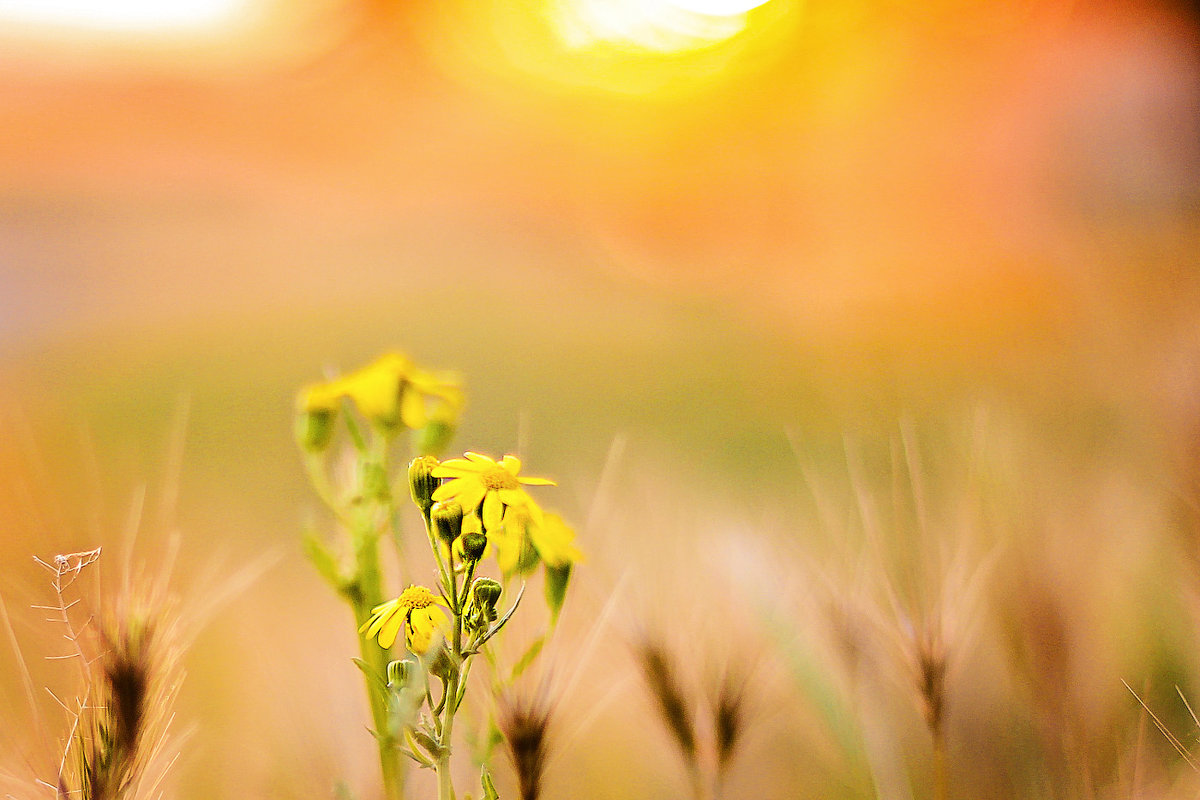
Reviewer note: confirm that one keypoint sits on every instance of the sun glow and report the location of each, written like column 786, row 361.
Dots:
column 121, row 15
column 660, row 25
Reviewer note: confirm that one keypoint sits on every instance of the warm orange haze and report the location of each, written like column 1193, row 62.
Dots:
column 833, row 366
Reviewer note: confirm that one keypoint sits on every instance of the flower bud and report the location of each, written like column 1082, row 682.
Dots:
column 314, row 429
column 434, row 436
column 485, row 593
column 473, row 545
column 399, row 672
column 421, row 481
column 447, row 517
column 441, row 662
column 556, row 587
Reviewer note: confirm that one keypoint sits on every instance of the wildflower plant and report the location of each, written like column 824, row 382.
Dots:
column 475, row 509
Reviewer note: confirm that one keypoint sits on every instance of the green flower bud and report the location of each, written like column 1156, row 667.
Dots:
column 399, row 672
column 529, row 559
column 442, row 663
column 447, row 517
column 473, row 545
column 556, row 587
column 485, row 593
column 433, row 437
column 421, row 481
column 314, row 429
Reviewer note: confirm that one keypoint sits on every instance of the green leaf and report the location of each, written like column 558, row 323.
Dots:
column 427, row 743
column 489, row 788
column 322, row 559
column 500, row 623
column 525, row 660
column 372, row 676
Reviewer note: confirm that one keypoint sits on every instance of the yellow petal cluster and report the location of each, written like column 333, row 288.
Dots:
column 390, row 391
column 416, row 611
column 550, row 537
column 488, row 487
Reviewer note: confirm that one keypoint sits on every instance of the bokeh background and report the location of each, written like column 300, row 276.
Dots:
column 723, row 271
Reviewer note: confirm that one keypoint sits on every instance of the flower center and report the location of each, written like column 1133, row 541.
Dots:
column 416, row 597
column 499, row 478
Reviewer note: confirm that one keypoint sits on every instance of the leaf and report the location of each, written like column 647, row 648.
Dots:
column 373, row 677
column 322, row 559
column 427, row 743
column 525, row 660
column 500, row 623
column 489, row 788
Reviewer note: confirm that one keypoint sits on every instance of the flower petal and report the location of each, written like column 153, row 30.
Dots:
column 457, row 468
column 480, row 458
column 423, row 624
column 555, row 541
column 493, row 511
column 537, row 481
column 514, row 497
column 387, row 634
column 412, row 408
column 471, row 496
column 451, row 488
column 379, row 615
column 508, row 552
column 511, row 463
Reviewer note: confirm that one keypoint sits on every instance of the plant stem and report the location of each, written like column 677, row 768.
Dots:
column 369, row 584
column 941, row 777
column 445, row 783
column 368, row 594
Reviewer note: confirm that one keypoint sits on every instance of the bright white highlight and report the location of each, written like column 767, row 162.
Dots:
column 662, row 25
column 121, row 15
column 717, row 8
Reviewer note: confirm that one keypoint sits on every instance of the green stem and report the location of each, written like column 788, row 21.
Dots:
column 369, row 594
column 451, row 696
column 369, row 584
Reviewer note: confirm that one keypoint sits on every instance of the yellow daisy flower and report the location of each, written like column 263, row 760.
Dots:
column 390, row 391
column 551, row 538
column 416, row 610
column 320, row 397
column 479, row 482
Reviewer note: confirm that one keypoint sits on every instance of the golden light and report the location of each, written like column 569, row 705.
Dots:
column 659, row 25
column 121, row 15
column 718, row 8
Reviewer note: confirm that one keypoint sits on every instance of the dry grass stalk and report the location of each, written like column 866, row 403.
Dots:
column 730, row 714
column 661, row 676
column 525, row 723
column 130, row 674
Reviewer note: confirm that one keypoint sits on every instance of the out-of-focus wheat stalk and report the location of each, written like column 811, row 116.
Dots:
column 525, row 724
column 130, row 672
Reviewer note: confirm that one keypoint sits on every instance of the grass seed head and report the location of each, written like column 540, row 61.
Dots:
column 525, row 724
column 661, row 676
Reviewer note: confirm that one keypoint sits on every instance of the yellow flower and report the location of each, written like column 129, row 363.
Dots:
column 550, row 537
column 390, row 391
column 478, row 482
column 416, row 610
column 441, row 398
